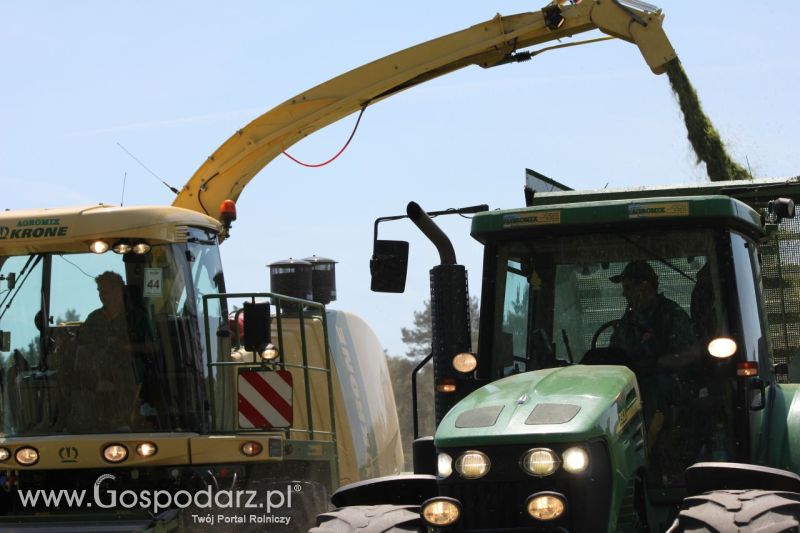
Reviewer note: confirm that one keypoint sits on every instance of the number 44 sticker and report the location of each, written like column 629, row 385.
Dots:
column 152, row 282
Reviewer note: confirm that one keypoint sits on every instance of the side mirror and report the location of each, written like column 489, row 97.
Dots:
column 388, row 266
column 256, row 326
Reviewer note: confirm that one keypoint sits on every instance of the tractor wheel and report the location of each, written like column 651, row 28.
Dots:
column 370, row 519
column 739, row 510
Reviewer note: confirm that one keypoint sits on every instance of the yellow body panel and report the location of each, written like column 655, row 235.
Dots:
column 366, row 427
column 221, row 449
column 61, row 452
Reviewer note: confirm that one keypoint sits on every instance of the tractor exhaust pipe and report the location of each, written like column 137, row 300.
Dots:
column 447, row 255
column 450, row 322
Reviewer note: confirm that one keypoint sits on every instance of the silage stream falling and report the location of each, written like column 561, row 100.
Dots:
column 703, row 137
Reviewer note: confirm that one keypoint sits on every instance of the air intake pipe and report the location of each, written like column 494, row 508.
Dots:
column 450, row 323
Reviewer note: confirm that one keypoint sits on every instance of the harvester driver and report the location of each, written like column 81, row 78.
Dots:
column 106, row 362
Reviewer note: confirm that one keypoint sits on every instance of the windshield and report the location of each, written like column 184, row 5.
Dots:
column 558, row 298
column 107, row 342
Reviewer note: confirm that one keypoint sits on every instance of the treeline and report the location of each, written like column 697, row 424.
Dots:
column 418, row 342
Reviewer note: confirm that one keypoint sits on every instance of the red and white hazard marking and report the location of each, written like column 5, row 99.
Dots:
column 265, row 399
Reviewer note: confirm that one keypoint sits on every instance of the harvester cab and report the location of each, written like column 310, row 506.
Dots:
column 633, row 368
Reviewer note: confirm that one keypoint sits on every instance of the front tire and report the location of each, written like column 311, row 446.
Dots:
column 370, row 519
column 739, row 510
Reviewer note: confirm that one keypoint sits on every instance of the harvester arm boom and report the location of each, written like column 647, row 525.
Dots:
column 241, row 157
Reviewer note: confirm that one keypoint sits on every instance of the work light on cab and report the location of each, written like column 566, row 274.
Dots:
column 722, row 347
column 270, row 353
column 98, row 247
column 465, row 362
column 121, row 247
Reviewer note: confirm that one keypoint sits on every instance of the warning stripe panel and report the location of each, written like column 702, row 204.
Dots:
column 266, row 385
column 264, row 399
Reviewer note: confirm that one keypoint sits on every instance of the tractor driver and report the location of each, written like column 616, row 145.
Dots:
column 654, row 330
column 657, row 336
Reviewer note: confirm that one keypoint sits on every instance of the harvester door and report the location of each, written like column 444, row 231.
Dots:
column 264, row 398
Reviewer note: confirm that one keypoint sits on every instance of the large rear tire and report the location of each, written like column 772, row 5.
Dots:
column 370, row 519
column 746, row 511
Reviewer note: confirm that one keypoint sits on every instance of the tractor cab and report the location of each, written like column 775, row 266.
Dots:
column 666, row 287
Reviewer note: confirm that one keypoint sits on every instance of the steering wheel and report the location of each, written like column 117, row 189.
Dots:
column 610, row 324
column 605, row 356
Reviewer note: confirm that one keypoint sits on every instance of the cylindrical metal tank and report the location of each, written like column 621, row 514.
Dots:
column 323, row 279
column 291, row 277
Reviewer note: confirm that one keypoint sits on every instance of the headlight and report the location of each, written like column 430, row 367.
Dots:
column 146, row 449
column 4, row 454
column 439, row 512
column 444, row 465
column 576, row 460
column 27, row 456
column 473, row 464
column 115, row 453
column 540, row 462
column 546, row 506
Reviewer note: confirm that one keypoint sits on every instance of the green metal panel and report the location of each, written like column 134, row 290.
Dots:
column 629, row 211
column 597, row 390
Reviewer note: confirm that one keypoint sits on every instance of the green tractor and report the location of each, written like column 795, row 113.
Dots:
column 634, row 370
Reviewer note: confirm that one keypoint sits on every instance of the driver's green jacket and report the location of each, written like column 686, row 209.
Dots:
column 663, row 328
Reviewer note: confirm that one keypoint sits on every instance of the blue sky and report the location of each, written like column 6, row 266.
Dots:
column 172, row 81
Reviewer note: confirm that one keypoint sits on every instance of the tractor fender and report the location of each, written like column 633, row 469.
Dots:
column 777, row 443
column 706, row 477
column 404, row 489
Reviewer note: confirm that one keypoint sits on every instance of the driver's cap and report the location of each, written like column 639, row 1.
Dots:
column 636, row 271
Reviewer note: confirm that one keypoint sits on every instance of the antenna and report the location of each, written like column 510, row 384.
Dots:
column 167, row 185
column 122, row 198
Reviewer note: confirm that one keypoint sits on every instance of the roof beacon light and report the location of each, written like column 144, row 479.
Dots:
column 227, row 214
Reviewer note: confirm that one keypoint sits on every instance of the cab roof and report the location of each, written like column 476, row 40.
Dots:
column 71, row 229
column 628, row 213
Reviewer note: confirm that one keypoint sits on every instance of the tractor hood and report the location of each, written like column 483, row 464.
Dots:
column 562, row 404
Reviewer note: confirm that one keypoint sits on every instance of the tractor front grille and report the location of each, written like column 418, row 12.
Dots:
column 498, row 501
